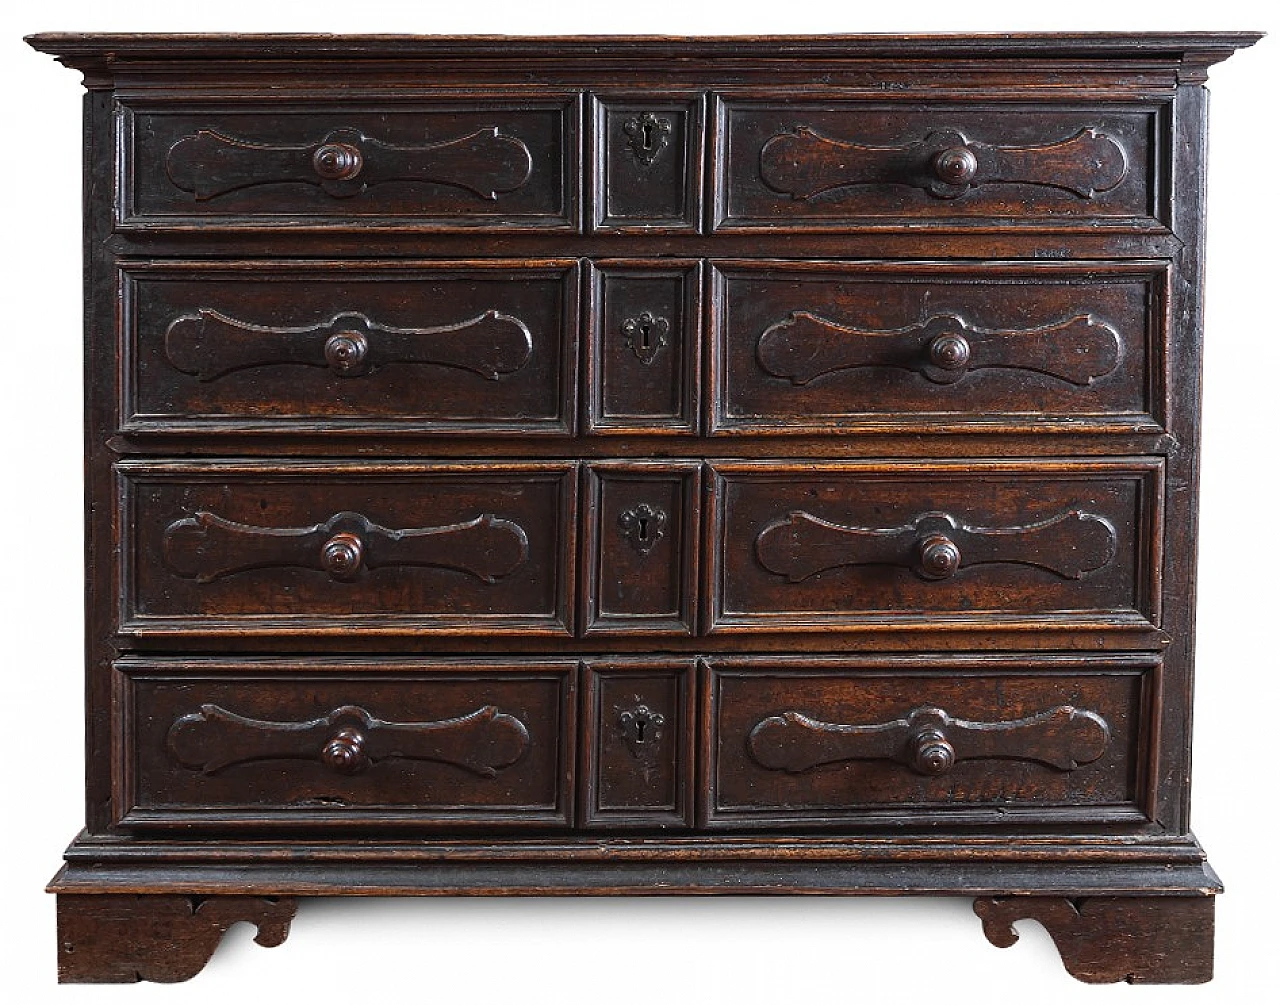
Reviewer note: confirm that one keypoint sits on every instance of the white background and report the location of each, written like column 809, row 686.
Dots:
column 631, row 951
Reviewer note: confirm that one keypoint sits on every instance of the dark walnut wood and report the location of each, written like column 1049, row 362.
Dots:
column 843, row 165
column 936, row 545
column 805, row 346
column 650, row 168
column 210, row 345
column 805, row 164
column 282, row 548
column 844, row 741
column 644, row 348
column 643, row 548
column 821, row 347
column 122, row 939
column 927, row 740
column 318, row 742
column 637, row 752
column 1141, row 940
column 346, row 162
column 481, row 346
column 504, row 164
column 641, row 465
column 348, row 740
column 206, row 547
column 850, row 543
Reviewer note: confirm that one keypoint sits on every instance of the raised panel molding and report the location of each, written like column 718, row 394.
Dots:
column 936, row 545
column 345, row 162
column 209, row 345
column 205, row 547
column 805, row 346
column 348, row 740
column 929, row 741
column 804, row 164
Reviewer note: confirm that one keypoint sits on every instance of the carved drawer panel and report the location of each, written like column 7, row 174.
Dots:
column 647, row 162
column 642, row 543
column 826, row 347
column 500, row 165
column 804, row 166
column 484, row 347
column 638, row 744
column 644, row 347
column 333, row 742
column 900, row 545
column 347, row 547
column 997, row 739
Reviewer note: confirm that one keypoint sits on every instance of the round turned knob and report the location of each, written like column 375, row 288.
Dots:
column 956, row 165
column 346, row 351
column 341, row 556
column 337, row 161
column 345, row 752
column 932, row 753
column 939, row 556
column 949, row 352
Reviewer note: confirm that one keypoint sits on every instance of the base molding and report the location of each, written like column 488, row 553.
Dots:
column 1102, row 940
column 1118, row 909
column 976, row 867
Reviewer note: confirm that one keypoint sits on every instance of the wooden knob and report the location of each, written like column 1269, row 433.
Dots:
column 939, row 557
column 345, row 752
column 342, row 555
column 950, row 352
column 932, row 753
column 956, row 165
column 337, row 161
column 345, row 352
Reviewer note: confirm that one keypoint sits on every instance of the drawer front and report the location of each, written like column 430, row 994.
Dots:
column 642, row 539
column 500, row 165
column 295, row 346
column 841, row 165
column 644, row 347
column 638, row 743
column 999, row 740
column 335, row 743
column 647, row 162
column 274, row 547
column 898, row 545
column 828, row 347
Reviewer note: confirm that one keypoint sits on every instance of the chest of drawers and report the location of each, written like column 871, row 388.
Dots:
column 641, row 466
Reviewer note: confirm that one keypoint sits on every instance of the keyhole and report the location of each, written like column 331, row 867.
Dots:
column 646, row 135
column 644, row 335
column 644, row 529
column 640, row 724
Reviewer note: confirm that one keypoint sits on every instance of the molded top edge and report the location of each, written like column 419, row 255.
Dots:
column 1204, row 47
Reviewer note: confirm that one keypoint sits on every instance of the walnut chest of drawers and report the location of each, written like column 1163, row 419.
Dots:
column 641, row 465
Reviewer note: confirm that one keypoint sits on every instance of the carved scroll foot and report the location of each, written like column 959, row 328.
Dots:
column 124, row 938
column 1142, row 940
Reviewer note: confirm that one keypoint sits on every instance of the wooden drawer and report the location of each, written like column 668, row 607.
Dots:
column 501, row 164
column 826, row 347
column 646, row 162
column 638, row 744
column 332, row 743
column 891, row 741
column 270, row 346
column 642, row 542
column 977, row 544
column 643, row 346
column 347, row 547
column 795, row 165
